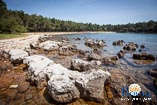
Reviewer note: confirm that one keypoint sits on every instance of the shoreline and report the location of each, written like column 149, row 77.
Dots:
column 23, row 42
column 65, row 33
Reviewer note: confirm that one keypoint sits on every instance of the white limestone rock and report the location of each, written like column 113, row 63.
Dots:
column 17, row 55
column 91, row 85
column 36, row 65
column 62, row 89
column 50, row 45
column 94, row 62
column 56, row 69
column 80, row 65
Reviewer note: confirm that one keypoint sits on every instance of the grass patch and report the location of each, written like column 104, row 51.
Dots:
column 10, row 36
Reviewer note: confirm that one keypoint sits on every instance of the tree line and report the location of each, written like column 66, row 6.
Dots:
column 19, row 21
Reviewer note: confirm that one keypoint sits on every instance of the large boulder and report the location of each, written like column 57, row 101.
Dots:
column 17, row 55
column 50, row 45
column 80, row 65
column 144, row 56
column 65, row 85
column 62, row 89
column 36, row 65
column 91, row 85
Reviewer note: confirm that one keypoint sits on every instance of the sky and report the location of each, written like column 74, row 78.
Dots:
column 94, row 11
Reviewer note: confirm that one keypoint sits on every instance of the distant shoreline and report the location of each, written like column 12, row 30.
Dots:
column 64, row 33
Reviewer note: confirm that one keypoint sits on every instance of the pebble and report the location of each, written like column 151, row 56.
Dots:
column 13, row 86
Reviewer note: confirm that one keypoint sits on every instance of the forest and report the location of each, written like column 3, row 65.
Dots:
column 12, row 21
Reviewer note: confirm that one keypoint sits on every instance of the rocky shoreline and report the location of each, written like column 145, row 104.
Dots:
column 51, row 69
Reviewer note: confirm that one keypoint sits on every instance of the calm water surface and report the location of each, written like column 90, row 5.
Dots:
column 149, row 40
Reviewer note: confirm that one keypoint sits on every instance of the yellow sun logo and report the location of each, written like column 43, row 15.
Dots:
column 134, row 89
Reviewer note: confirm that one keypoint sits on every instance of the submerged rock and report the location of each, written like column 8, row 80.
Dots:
column 77, row 38
column 121, row 53
column 144, row 56
column 153, row 73
column 17, row 55
column 130, row 47
column 118, row 43
column 80, row 65
column 50, row 45
column 142, row 46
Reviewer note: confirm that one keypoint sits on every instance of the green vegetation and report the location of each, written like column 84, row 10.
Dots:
column 9, row 36
column 19, row 22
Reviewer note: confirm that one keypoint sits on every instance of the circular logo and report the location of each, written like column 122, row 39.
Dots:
column 134, row 89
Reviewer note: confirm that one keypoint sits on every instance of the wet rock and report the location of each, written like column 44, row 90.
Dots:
column 142, row 46
column 80, row 65
column 109, row 60
column 83, row 53
column 140, row 50
column 121, row 53
column 155, row 82
column 62, row 89
column 91, row 85
column 36, row 65
column 92, row 43
column 77, row 38
column 118, row 43
column 94, row 56
column 28, row 97
column 67, row 50
column 143, row 56
column 17, row 55
column 114, row 58
column 23, row 87
column 153, row 73
column 4, row 67
column 97, row 51
column 130, row 47
column 50, row 45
